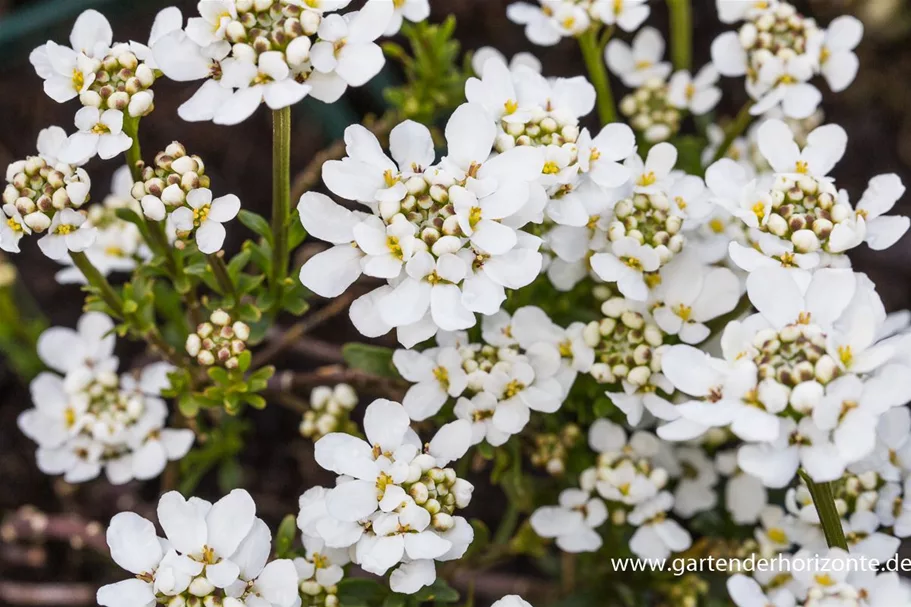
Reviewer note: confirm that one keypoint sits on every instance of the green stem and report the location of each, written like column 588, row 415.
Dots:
column 824, row 501
column 134, row 154
column 508, row 524
column 281, row 196
column 222, row 276
column 681, row 16
column 734, row 130
column 592, row 51
column 99, row 282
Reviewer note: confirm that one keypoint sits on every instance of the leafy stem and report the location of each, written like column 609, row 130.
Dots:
column 824, row 501
column 134, row 153
column 681, row 16
column 592, row 51
column 281, row 198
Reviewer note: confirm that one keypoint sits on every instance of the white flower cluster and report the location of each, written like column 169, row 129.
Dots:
column 118, row 245
column 834, row 578
column 806, row 378
column 554, row 20
column 631, row 338
column 656, row 107
column 395, row 502
column 43, row 195
column 525, row 363
column 175, row 189
column 330, row 410
column 274, row 51
column 447, row 237
column 795, row 216
column 108, row 78
column 628, row 486
column 780, row 51
column 89, row 419
column 212, row 554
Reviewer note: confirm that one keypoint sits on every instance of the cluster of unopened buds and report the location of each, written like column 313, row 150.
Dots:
column 43, row 195
column 330, row 410
column 650, row 111
column 552, row 449
column 219, row 341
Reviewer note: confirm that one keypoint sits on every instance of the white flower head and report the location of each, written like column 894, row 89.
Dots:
column 637, row 63
column 203, row 217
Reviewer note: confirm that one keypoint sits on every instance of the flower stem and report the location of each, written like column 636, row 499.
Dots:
column 222, row 276
column 824, row 501
column 133, row 154
column 99, row 282
column 281, row 196
column 681, row 16
column 592, row 51
column 734, row 130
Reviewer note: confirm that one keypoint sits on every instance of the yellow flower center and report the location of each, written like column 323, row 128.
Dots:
column 65, row 229
column 684, row 312
column 568, row 22
column 861, row 213
column 802, row 167
column 320, row 561
column 824, row 54
column 394, row 247
column 643, row 64
column 759, row 210
column 595, row 154
column 652, row 279
column 618, row 6
column 389, row 178
column 717, row 226
column 474, row 216
column 566, row 349
column 201, row 214
column 434, row 278
column 824, row 579
column 78, row 79
column 681, row 203
column 442, row 376
column 14, row 225
column 846, row 355
column 550, row 168
column 624, row 489
column 593, row 222
column 113, row 251
column 787, row 260
column 101, row 129
column 510, row 106
column 647, row 179
column 778, row 535
column 632, row 262
column 787, row 79
column 513, row 388
column 398, row 3
column 69, row 417
column 690, row 91
column 803, row 318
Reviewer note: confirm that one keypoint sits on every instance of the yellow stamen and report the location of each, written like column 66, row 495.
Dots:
column 78, row 79
column 442, row 376
column 513, row 388
column 550, row 168
column 511, row 106
column 759, row 210
column 802, row 167
column 474, row 216
column 394, row 247
column 846, row 355
column 643, row 64
column 65, row 229
column 647, row 179
column 778, row 535
column 200, row 215
column 390, row 178
column 632, row 262
column 14, row 225
column 684, row 312
column 717, row 226
column 824, row 579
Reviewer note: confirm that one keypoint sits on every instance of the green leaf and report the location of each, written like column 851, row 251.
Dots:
column 395, row 600
column 375, row 360
column 439, row 592
column 257, row 224
column 284, row 539
column 296, row 233
column 230, row 473
column 360, row 592
column 256, row 401
column 189, row 405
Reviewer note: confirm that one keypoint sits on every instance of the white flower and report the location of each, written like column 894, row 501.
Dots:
column 695, row 491
column 690, row 294
column 640, row 62
column 330, row 273
column 12, row 228
column 412, row 10
column 745, row 496
column 216, row 549
column 657, row 536
column 437, row 375
column 267, row 81
column 870, row 224
column 628, row 15
column 697, row 94
column 744, row 590
column 785, row 83
column 67, row 232
column 625, row 265
column 824, row 147
column 69, row 71
column 346, row 54
column 90, row 347
column 600, row 157
column 837, row 60
column 546, row 25
column 573, row 523
column 205, row 217
column 100, row 133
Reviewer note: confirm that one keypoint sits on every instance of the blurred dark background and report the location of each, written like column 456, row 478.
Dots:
column 875, row 111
